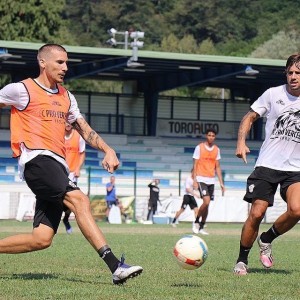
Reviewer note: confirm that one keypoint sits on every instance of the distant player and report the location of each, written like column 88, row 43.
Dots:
column 75, row 156
column 206, row 166
column 188, row 198
column 154, row 198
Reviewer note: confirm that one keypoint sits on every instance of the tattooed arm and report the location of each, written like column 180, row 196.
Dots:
column 244, row 129
column 110, row 161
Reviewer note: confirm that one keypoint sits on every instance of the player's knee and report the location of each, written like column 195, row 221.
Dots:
column 205, row 205
column 79, row 199
column 294, row 212
column 257, row 215
column 42, row 243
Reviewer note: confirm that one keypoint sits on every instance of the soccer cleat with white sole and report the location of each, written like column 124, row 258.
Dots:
column 202, row 231
column 124, row 272
column 240, row 269
column 196, row 227
column 266, row 257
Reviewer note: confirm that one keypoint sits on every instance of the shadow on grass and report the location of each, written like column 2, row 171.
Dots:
column 269, row 271
column 33, row 276
column 43, row 276
column 186, row 284
column 264, row 271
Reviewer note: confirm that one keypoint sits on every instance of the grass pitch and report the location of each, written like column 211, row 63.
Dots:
column 71, row 269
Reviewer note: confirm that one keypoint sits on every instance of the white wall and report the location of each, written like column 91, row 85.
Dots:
column 230, row 208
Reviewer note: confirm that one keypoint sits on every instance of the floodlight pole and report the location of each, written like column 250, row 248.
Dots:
column 126, row 40
column 135, row 35
column 113, row 32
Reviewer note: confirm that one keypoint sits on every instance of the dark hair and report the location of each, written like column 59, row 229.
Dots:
column 210, row 130
column 294, row 59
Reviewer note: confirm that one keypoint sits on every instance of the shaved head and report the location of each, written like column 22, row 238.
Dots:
column 45, row 50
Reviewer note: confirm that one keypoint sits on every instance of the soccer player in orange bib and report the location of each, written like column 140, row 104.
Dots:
column 206, row 166
column 75, row 156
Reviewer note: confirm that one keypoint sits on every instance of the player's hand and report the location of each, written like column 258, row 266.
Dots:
column 77, row 173
column 110, row 161
column 242, row 151
column 223, row 189
column 195, row 185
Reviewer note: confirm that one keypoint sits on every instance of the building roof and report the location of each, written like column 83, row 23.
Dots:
column 154, row 71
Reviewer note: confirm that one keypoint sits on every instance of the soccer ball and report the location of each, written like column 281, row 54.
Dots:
column 190, row 252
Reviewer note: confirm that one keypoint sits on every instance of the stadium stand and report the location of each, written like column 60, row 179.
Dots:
column 149, row 157
column 142, row 159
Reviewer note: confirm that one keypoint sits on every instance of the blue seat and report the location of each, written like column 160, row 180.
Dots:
column 189, row 149
column 94, row 163
column 164, row 182
column 5, row 144
column 96, row 180
column 8, row 160
column 91, row 154
column 130, row 164
column 145, row 173
column 7, row 178
column 124, row 172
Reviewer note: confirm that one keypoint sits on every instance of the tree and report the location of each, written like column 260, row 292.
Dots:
column 90, row 20
column 280, row 46
column 170, row 43
column 32, row 21
column 188, row 44
column 218, row 20
column 207, row 47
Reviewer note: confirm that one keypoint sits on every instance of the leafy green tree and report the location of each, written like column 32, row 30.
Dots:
column 280, row 46
column 188, row 44
column 32, row 21
column 218, row 20
column 90, row 20
column 207, row 47
column 170, row 43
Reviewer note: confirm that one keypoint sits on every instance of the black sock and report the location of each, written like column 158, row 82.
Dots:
column 270, row 235
column 243, row 255
column 148, row 215
column 109, row 258
column 202, row 225
column 197, row 220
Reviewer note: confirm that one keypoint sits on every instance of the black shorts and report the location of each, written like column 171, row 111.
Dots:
column 48, row 180
column 263, row 182
column 189, row 200
column 152, row 205
column 207, row 189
